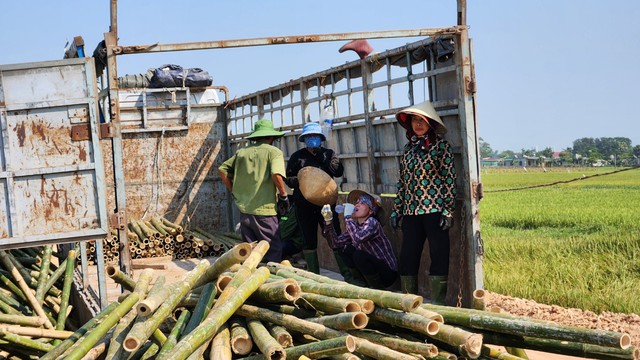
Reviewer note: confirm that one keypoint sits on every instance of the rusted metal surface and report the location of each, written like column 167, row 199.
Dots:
column 52, row 185
column 279, row 40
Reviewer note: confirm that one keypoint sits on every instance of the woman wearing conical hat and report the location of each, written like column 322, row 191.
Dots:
column 425, row 199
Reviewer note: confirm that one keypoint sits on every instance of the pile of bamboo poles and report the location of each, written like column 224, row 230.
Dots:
column 159, row 237
column 34, row 300
column 236, row 308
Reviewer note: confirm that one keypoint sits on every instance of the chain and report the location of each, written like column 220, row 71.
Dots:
column 463, row 223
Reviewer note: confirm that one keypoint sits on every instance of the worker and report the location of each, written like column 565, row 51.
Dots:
column 307, row 213
column 425, row 199
column 255, row 178
column 365, row 247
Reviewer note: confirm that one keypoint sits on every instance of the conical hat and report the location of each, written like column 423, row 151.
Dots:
column 381, row 214
column 424, row 110
column 317, row 186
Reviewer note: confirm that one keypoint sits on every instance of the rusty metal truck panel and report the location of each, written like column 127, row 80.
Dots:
column 52, row 178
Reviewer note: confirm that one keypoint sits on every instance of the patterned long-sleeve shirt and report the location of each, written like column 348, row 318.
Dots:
column 367, row 237
column 427, row 182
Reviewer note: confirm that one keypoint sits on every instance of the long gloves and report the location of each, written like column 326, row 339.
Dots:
column 283, row 205
column 446, row 221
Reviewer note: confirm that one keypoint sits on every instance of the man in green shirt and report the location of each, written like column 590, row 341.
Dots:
column 254, row 176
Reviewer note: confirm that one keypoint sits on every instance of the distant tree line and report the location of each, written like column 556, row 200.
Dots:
column 616, row 150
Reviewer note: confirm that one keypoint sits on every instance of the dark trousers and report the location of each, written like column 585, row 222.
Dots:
column 309, row 218
column 256, row 228
column 368, row 265
column 415, row 230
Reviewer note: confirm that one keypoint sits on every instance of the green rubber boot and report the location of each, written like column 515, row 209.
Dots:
column 350, row 275
column 409, row 284
column 438, row 287
column 311, row 257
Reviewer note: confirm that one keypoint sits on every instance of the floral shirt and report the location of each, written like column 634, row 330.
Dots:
column 427, row 182
column 367, row 237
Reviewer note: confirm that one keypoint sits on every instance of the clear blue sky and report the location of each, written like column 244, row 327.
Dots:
column 548, row 71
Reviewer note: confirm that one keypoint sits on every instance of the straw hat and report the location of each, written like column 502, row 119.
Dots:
column 311, row 128
column 264, row 128
column 424, row 110
column 317, row 186
column 354, row 195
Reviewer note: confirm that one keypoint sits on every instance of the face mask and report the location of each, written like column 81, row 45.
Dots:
column 312, row 141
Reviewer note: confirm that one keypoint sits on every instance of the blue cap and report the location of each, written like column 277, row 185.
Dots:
column 311, row 128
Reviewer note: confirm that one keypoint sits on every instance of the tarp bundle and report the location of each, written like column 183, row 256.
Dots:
column 171, row 75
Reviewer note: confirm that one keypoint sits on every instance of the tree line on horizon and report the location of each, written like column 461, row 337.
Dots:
column 617, row 150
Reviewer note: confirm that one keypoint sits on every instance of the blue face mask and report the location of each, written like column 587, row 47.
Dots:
column 312, row 141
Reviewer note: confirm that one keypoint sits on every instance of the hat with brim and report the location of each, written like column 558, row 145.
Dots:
column 264, row 128
column 311, row 128
column 426, row 111
column 380, row 214
column 317, row 186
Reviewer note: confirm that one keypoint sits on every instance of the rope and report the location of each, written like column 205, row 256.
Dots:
column 563, row 181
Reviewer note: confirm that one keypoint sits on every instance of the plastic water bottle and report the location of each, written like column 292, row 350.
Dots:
column 327, row 120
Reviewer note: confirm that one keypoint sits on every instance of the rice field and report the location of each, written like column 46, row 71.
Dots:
column 574, row 244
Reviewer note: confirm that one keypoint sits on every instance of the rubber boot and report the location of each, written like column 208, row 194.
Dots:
column 409, row 284
column 438, row 287
column 373, row 281
column 350, row 275
column 311, row 257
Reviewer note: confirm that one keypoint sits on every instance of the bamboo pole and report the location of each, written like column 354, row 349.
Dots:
column 121, row 278
column 494, row 353
column 99, row 331
column 147, row 306
column 470, row 342
column 202, row 308
column 343, row 321
column 141, row 331
column 386, row 299
column 66, row 291
column 318, row 349
column 478, row 301
column 281, row 335
column 44, row 273
column 328, row 304
column 220, row 345
column 428, row 314
column 414, row 322
column 241, row 342
column 257, row 253
column 35, row 332
column 269, row 347
column 397, row 343
column 286, row 290
column 4, row 257
column 514, row 325
column 34, row 321
column 63, row 346
column 218, row 316
column 236, row 255
column 120, row 331
column 26, row 342
column 176, row 332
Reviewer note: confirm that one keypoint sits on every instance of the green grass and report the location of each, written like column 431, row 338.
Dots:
column 574, row 244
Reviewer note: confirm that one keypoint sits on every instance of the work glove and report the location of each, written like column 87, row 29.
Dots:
column 446, row 221
column 395, row 222
column 326, row 212
column 292, row 182
column 283, row 205
column 348, row 210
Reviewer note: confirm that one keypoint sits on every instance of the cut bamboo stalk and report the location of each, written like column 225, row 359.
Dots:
column 469, row 342
column 34, row 321
column 397, row 343
column 380, row 352
column 157, row 225
column 153, row 301
column 478, row 301
column 343, row 321
column 269, row 347
column 494, row 353
column 281, row 335
column 176, row 332
column 428, row 314
column 345, row 356
column 220, row 345
column 318, row 349
column 218, row 316
column 241, row 342
column 202, row 308
column 170, row 224
column 236, row 255
column 120, row 331
column 145, row 229
column 257, row 253
column 26, row 342
column 414, row 322
column 44, row 273
column 286, row 290
column 141, row 331
column 66, row 291
column 4, row 257
column 366, row 306
column 328, row 304
column 99, row 331
column 121, row 278
column 35, row 332
column 133, row 225
column 514, row 325
column 15, row 290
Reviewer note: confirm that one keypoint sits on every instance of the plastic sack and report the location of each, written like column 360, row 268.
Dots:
column 171, row 75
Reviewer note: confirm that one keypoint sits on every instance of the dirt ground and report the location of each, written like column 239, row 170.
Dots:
column 625, row 323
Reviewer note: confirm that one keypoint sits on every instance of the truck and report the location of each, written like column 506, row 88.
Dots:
column 82, row 156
